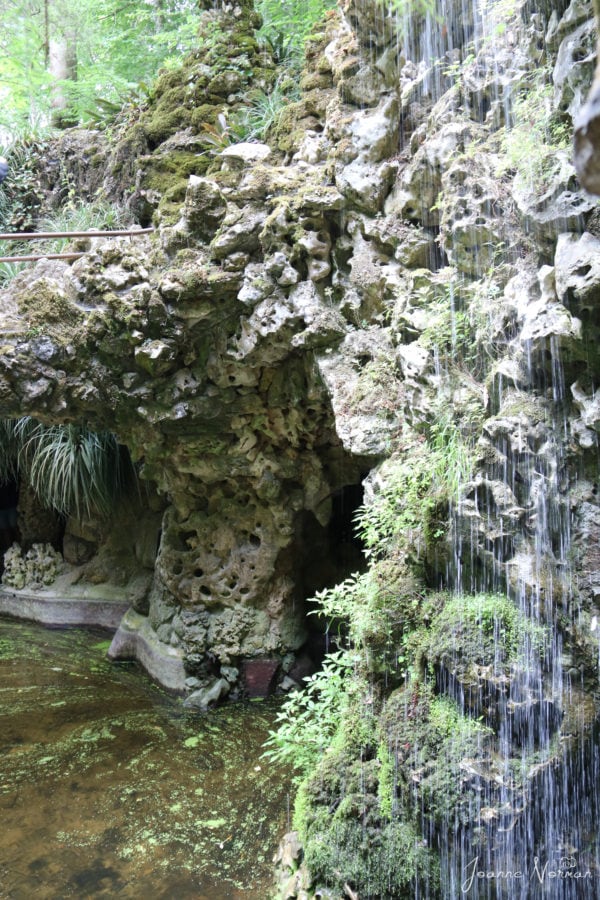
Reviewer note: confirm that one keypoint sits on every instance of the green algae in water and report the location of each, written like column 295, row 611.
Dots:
column 108, row 788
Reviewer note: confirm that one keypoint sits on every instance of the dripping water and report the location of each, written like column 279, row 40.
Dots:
column 530, row 828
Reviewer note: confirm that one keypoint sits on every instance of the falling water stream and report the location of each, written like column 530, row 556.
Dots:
column 532, row 830
column 108, row 788
column 544, row 843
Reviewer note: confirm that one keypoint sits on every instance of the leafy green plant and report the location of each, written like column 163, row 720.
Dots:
column 452, row 457
column 222, row 134
column 309, row 719
column 71, row 468
column 282, row 48
column 103, row 111
column 20, row 193
column 449, row 332
column 8, row 270
column 287, row 24
column 534, row 133
column 338, row 603
column 263, row 111
column 465, row 327
column 74, row 470
column 401, row 512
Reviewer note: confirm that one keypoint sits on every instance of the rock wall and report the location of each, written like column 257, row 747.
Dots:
column 468, row 253
column 197, row 347
column 404, row 273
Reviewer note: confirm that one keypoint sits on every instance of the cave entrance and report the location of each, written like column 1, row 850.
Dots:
column 9, row 531
column 326, row 555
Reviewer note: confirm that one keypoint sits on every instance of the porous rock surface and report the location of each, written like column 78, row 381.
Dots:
column 310, row 305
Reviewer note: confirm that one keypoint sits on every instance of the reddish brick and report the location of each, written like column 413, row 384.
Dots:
column 260, row 676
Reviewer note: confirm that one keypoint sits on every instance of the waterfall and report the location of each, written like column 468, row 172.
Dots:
column 529, row 832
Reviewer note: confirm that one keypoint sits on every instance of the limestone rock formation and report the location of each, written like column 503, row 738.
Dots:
column 396, row 287
column 587, row 122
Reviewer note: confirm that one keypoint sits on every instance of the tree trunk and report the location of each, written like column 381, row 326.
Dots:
column 62, row 67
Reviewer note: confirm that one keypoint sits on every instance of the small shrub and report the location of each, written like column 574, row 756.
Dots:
column 535, row 134
column 263, row 111
column 72, row 469
column 411, row 508
column 77, row 215
column 287, row 25
column 21, row 192
column 309, row 718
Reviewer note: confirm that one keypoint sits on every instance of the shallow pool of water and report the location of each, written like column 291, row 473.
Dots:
column 108, row 788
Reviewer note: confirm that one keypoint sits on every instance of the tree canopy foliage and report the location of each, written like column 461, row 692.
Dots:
column 111, row 50
column 115, row 48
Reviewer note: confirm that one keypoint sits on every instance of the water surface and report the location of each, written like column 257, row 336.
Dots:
column 108, row 788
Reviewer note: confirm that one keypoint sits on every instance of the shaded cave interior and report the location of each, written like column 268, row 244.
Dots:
column 325, row 555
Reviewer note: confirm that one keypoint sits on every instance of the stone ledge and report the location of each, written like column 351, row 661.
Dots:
column 48, row 609
column 135, row 639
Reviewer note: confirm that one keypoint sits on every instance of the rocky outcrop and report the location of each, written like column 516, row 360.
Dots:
column 197, row 348
column 400, row 283
column 587, row 122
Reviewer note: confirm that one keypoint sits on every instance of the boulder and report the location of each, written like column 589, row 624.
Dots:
column 208, row 696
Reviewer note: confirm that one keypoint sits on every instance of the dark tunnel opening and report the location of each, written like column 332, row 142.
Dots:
column 327, row 555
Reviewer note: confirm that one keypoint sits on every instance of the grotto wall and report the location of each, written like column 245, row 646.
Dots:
column 587, row 133
column 197, row 348
column 472, row 265
column 406, row 267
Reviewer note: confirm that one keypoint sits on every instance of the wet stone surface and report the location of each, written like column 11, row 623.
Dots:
column 108, row 788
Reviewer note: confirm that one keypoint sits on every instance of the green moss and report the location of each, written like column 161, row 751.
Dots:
column 174, row 194
column 203, row 113
column 428, row 738
column 165, row 121
column 345, row 839
column 479, row 629
column 44, row 304
column 166, row 80
column 315, row 81
column 293, row 122
column 386, row 781
column 245, row 43
column 346, row 814
column 168, row 175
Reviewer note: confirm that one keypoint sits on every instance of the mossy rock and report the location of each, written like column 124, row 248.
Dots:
column 165, row 81
column 343, row 834
column 167, row 175
column 289, row 141
column 428, row 738
column 245, row 43
column 45, row 304
column 203, row 113
column 315, row 80
column 162, row 123
column 478, row 629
